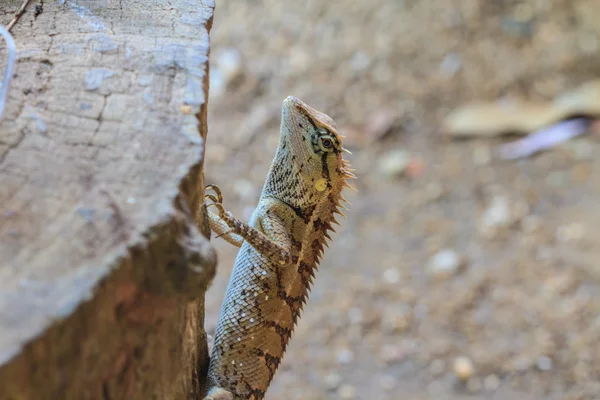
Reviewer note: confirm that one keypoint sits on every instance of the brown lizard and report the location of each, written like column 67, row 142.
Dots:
column 280, row 249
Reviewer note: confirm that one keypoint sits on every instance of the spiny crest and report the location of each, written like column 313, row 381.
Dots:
column 337, row 203
column 347, row 173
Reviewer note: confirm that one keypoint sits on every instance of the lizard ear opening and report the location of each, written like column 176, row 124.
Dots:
column 321, row 184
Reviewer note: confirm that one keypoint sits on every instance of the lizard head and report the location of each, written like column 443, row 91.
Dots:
column 308, row 166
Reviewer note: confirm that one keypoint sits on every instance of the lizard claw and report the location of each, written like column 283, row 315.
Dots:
column 217, row 191
column 216, row 199
column 217, row 202
column 212, row 198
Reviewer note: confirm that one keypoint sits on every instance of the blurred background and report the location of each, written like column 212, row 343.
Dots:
column 456, row 275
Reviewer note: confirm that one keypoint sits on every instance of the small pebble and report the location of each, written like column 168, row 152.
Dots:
column 332, row 381
column 491, row 382
column 87, row 213
column 445, row 264
column 451, row 64
column 394, row 163
column 299, row 60
column 359, row 61
column 522, row 363
column 217, row 82
column 379, row 123
column 345, row 356
column 391, row 354
column 463, row 368
column 544, row 363
column 391, row 276
column 227, row 67
column 229, row 61
column 415, row 167
column 347, row 391
column 495, row 217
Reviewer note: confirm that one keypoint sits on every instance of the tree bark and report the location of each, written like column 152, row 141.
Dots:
column 104, row 253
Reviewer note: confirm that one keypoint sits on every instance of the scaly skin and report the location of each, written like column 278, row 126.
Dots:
column 280, row 251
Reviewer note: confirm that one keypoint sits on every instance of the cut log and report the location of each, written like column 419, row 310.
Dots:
column 104, row 254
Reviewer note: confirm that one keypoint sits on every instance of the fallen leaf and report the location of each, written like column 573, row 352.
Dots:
column 544, row 139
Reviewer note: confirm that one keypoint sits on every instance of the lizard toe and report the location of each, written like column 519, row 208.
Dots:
column 217, row 192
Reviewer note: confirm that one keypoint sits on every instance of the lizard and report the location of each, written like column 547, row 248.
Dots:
column 280, row 250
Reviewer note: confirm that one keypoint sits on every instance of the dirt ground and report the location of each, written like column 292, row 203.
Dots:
column 511, row 305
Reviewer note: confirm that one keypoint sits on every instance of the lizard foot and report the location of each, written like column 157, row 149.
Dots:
column 233, row 226
column 216, row 200
column 220, row 209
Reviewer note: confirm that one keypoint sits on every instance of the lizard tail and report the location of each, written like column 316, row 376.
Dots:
column 218, row 394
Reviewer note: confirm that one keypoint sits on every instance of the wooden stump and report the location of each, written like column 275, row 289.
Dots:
column 104, row 254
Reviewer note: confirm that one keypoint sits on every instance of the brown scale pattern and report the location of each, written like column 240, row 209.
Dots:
column 269, row 286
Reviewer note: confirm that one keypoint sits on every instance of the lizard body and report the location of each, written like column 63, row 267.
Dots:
column 280, row 249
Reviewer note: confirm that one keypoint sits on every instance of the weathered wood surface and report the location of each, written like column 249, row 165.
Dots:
column 104, row 257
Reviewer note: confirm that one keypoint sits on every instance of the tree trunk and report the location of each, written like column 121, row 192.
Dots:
column 104, row 254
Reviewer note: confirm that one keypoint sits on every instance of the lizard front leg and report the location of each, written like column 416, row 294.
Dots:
column 217, row 225
column 274, row 244
column 222, row 230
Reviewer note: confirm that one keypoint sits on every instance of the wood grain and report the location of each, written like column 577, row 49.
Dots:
column 104, row 257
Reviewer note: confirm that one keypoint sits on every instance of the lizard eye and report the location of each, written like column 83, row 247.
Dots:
column 326, row 143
